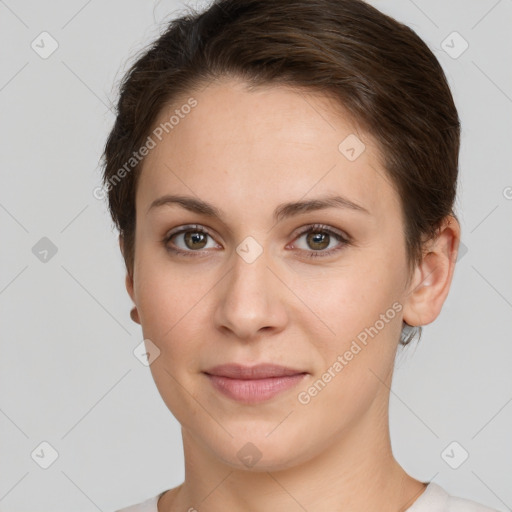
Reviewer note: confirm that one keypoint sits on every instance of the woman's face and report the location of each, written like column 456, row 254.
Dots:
column 241, row 281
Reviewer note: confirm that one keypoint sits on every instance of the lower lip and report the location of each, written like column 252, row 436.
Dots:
column 251, row 391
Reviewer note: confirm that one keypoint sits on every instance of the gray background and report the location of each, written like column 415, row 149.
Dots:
column 68, row 374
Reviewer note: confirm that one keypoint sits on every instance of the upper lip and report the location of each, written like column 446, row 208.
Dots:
column 259, row 371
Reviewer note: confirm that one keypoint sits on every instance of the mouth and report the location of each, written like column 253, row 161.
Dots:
column 253, row 384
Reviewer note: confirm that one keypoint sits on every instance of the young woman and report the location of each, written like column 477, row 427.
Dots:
column 282, row 174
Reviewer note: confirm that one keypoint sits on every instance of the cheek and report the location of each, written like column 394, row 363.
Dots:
column 353, row 301
column 157, row 283
column 170, row 303
column 363, row 312
column 170, row 299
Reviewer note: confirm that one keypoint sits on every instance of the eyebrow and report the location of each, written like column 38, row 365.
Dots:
column 283, row 211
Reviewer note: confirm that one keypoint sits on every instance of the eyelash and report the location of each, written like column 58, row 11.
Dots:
column 316, row 228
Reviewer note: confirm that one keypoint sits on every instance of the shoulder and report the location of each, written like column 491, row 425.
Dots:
column 436, row 499
column 149, row 505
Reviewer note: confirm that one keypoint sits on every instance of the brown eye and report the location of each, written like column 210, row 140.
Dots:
column 195, row 239
column 189, row 240
column 318, row 240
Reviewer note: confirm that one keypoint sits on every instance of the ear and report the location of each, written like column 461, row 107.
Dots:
column 433, row 276
column 128, row 278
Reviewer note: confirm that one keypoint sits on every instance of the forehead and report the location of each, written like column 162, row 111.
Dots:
column 269, row 144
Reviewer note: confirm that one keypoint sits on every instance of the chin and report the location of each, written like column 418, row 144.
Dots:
column 259, row 461
column 258, row 452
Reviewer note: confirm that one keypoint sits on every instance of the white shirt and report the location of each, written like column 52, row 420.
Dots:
column 433, row 499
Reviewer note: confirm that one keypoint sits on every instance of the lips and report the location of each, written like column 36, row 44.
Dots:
column 260, row 371
column 252, row 384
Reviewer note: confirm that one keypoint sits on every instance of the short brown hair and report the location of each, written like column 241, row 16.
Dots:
column 378, row 69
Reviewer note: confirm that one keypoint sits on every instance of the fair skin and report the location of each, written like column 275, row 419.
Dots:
column 245, row 153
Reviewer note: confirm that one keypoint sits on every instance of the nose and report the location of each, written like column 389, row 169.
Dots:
column 251, row 300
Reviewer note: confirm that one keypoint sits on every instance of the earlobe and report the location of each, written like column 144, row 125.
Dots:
column 134, row 315
column 433, row 276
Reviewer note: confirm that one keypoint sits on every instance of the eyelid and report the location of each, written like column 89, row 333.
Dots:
column 322, row 227
column 297, row 233
column 187, row 227
column 343, row 238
